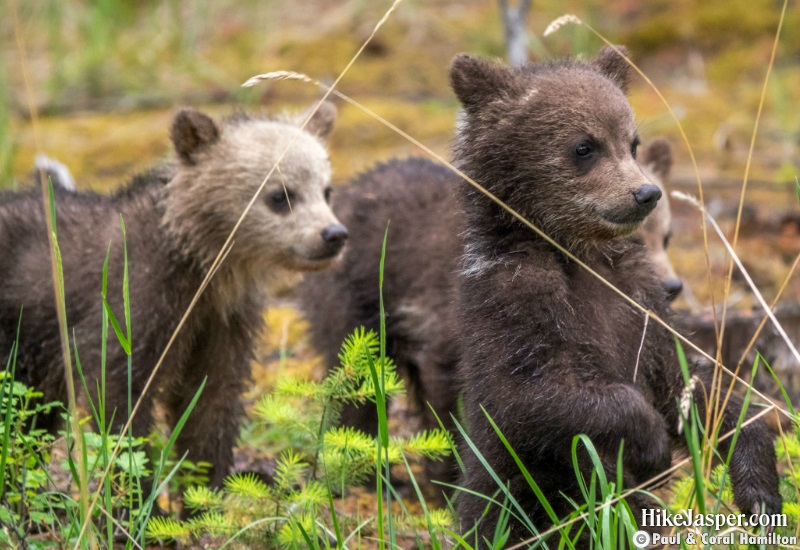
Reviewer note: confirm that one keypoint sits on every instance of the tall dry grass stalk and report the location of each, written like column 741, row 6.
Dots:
column 732, row 246
column 55, row 271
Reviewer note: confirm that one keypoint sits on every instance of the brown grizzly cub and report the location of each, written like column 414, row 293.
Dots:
column 416, row 198
column 177, row 218
column 657, row 228
column 548, row 351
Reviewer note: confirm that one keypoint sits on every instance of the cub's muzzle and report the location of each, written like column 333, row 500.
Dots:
column 647, row 196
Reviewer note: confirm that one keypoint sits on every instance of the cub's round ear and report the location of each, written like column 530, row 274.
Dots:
column 658, row 157
column 321, row 123
column 614, row 66
column 477, row 82
column 191, row 132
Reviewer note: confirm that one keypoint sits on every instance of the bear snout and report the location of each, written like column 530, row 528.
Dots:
column 647, row 196
column 673, row 287
column 333, row 237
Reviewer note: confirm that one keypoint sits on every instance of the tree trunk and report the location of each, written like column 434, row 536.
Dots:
column 514, row 18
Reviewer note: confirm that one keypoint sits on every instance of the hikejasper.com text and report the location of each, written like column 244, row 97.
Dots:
column 689, row 518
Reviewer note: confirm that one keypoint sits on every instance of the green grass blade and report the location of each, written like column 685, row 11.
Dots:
column 126, row 295
column 380, row 401
column 593, row 456
column 434, row 540
column 124, row 342
column 522, row 517
column 356, row 531
column 524, row 470
column 307, row 537
column 453, row 446
column 184, row 417
column 335, row 520
column 247, row 527
column 684, row 364
column 786, row 399
column 52, row 205
column 140, row 526
column 383, row 440
column 101, row 391
column 383, row 419
column 693, row 444
column 738, row 429
column 7, row 394
column 691, row 432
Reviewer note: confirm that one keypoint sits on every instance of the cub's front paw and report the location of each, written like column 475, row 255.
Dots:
column 649, row 452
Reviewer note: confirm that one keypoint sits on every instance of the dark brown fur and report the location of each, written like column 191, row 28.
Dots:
column 169, row 245
column 549, row 351
column 415, row 198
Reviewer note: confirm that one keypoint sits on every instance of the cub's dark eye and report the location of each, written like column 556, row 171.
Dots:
column 667, row 237
column 583, row 149
column 634, row 146
column 279, row 200
column 328, row 195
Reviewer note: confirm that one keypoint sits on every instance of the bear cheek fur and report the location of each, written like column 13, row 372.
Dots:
column 196, row 213
column 293, row 239
column 300, row 242
column 599, row 115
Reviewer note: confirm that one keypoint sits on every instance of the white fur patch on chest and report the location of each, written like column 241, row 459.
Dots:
column 530, row 95
column 474, row 262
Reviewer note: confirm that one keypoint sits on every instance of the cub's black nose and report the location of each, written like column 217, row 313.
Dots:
column 334, row 236
column 647, row 196
column 673, row 287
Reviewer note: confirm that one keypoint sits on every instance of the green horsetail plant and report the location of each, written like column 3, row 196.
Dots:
column 316, row 460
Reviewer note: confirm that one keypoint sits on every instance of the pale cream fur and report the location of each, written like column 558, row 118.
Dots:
column 204, row 201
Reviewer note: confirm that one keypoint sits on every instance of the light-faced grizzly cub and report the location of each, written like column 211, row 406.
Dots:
column 177, row 218
column 547, row 350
